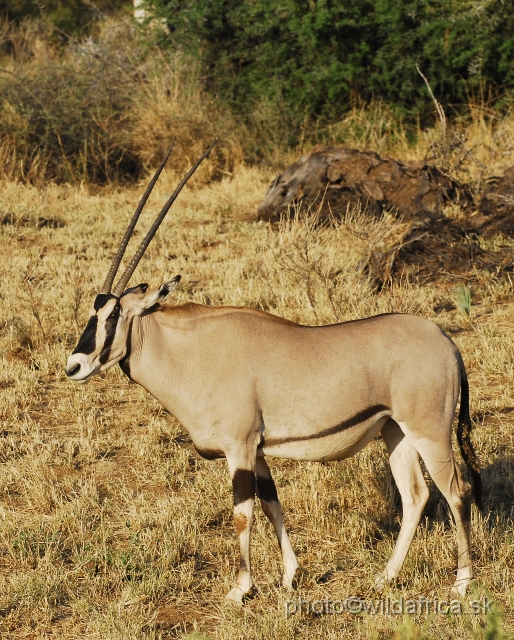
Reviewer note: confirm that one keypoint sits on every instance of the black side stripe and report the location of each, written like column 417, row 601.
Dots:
column 362, row 416
column 87, row 342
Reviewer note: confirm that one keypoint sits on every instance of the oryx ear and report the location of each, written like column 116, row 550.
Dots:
column 148, row 301
column 166, row 288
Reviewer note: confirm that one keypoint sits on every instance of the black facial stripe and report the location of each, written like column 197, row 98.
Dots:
column 362, row 416
column 266, row 489
column 87, row 342
column 110, row 331
column 125, row 361
column 243, row 484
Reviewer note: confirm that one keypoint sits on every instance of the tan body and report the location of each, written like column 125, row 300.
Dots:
column 237, row 374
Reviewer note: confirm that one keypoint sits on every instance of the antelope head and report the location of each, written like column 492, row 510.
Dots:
column 104, row 340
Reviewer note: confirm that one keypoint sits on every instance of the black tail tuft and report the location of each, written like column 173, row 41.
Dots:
column 477, row 488
column 464, row 439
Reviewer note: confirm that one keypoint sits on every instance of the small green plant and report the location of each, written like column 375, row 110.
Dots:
column 409, row 630
column 463, row 300
column 493, row 629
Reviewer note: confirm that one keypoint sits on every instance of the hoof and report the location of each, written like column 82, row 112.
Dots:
column 300, row 575
column 382, row 581
column 291, row 582
column 238, row 596
column 459, row 589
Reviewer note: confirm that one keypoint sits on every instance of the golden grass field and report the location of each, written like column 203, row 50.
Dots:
column 112, row 527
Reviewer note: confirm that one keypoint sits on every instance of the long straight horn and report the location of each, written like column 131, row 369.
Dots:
column 131, row 267
column 106, row 288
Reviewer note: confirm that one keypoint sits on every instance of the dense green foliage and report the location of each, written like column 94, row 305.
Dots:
column 314, row 58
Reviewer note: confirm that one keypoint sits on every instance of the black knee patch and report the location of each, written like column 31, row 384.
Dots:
column 243, row 484
column 266, row 489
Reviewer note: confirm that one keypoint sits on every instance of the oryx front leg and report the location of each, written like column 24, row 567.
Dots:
column 407, row 473
column 242, row 471
column 267, row 493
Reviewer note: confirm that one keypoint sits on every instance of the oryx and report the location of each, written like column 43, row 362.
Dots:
column 246, row 384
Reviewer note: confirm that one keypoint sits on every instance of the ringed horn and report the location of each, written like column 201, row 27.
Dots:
column 131, row 267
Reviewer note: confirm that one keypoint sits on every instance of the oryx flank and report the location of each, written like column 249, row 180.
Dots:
column 246, row 384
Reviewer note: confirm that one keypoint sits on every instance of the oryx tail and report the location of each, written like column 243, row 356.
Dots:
column 464, row 436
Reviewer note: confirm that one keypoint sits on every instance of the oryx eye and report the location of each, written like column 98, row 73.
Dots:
column 114, row 314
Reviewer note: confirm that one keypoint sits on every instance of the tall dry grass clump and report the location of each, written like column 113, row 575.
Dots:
column 320, row 268
column 104, row 109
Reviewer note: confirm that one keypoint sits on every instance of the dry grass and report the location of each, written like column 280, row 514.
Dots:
column 112, row 527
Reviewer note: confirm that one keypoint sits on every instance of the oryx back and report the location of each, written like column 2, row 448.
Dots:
column 312, row 393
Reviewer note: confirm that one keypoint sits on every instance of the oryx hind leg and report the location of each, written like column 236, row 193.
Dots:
column 270, row 503
column 407, row 473
column 442, row 467
column 241, row 463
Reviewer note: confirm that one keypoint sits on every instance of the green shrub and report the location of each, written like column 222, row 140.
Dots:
column 312, row 60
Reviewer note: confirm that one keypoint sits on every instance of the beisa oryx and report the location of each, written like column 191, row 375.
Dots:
column 247, row 384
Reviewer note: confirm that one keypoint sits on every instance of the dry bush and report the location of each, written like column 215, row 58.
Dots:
column 103, row 110
column 170, row 102
column 321, row 267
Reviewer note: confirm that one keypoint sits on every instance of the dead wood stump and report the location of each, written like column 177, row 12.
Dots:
column 336, row 178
